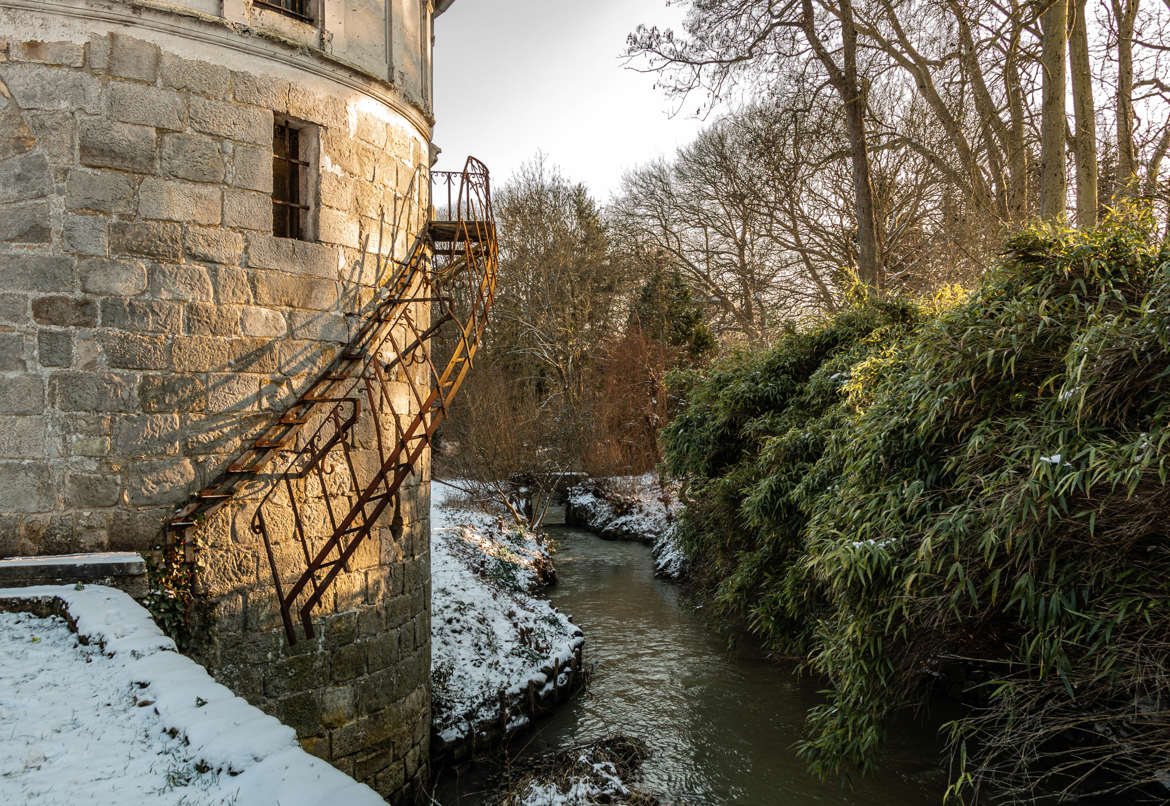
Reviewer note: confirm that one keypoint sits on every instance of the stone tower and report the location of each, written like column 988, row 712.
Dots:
column 198, row 200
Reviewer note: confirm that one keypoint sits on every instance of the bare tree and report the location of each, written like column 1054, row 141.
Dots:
column 497, row 433
column 968, row 63
column 730, row 40
column 752, row 215
column 560, row 294
column 843, row 75
column 560, row 287
column 1085, row 115
column 1125, row 15
column 1053, row 170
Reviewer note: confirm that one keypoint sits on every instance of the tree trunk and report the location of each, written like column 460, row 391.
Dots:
column 1125, row 14
column 1084, row 111
column 845, row 80
column 1017, row 148
column 1053, row 178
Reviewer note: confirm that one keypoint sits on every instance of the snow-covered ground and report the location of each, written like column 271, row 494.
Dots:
column 634, row 508
column 112, row 714
column 490, row 634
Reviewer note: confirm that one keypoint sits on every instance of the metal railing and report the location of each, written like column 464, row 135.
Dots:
column 327, row 499
column 363, row 441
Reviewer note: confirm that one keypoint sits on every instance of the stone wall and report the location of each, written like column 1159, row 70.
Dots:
column 151, row 326
column 385, row 38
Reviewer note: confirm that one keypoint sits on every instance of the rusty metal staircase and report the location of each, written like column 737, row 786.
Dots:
column 361, row 428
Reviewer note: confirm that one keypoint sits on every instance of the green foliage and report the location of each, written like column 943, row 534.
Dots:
column 172, row 600
column 751, row 429
column 981, row 505
column 668, row 313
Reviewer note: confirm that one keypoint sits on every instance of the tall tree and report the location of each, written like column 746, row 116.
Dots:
column 728, row 39
column 844, row 77
column 1124, row 17
column 1085, row 116
column 1053, row 121
column 755, row 215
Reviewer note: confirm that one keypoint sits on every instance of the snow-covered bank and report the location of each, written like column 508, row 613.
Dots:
column 112, row 714
column 597, row 773
column 638, row 508
column 499, row 653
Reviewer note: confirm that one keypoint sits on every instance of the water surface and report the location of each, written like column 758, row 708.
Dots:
column 720, row 725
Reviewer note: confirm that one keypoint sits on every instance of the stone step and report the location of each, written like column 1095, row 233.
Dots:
column 124, row 570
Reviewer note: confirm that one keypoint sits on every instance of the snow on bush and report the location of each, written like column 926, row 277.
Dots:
column 112, row 714
column 634, row 508
column 670, row 561
column 601, row 784
column 490, row 636
column 600, row 772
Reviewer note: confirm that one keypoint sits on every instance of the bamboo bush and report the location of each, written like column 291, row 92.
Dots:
column 972, row 501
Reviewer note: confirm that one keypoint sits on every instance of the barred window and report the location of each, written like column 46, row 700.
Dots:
column 297, row 9
column 291, row 175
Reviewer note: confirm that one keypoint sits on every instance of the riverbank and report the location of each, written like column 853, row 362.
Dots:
column 500, row 653
column 641, row 508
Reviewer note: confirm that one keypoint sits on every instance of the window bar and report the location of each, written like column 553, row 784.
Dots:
column 292, row 8
column 286, row 183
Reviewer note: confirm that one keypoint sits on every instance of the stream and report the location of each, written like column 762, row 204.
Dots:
column 720, row 724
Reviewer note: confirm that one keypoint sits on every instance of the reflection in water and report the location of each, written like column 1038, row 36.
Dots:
column 720, row 725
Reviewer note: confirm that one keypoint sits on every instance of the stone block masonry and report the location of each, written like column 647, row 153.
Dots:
column 151, row 326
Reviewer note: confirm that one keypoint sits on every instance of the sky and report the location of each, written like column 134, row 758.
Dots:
column 518, row 77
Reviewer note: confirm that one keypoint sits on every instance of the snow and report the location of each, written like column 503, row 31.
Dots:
column 97, row 558
column 1055, row 459
column 602, row 785
column 586, row 776
column 490, row 635
column 670, row 561
column 635, row 508
column 112, row 714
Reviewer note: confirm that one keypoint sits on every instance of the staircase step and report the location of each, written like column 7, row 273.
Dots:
column 184, row 518
column 213, row 494
column 186, row 510
column 246, row 469
column 447, row 231
column 406, row 300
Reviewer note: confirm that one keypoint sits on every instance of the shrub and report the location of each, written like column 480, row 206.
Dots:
column 995, row 506
column 974, row 499
column 749, row 431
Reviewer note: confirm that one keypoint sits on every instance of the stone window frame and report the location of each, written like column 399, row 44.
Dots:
column 307, row 28
column 309, row 188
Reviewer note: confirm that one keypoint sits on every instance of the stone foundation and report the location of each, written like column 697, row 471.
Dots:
column 151, row 326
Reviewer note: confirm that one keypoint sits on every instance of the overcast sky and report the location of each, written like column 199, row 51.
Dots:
column 514, row 77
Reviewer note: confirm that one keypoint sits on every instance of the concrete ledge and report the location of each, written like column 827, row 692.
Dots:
column 124, row 570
